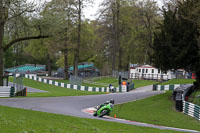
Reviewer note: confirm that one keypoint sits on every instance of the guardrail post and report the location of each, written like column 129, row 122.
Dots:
column 154, row 87
column 12, row 92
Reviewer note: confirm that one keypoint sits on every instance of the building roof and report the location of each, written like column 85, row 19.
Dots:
column 82, row 67
column 143, row 66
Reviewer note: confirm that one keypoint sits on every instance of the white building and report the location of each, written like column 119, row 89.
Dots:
column 149, row 72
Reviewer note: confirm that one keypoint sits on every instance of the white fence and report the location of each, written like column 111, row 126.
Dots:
column 149, row 76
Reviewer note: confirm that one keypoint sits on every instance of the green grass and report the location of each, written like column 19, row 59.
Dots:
column 178, row 81
column 13, row 120
column 157, row 110
column 193, row 98
column 114, row 81
column 141, row 83
column 107, row 81
column 53, row 91
column 62, row 81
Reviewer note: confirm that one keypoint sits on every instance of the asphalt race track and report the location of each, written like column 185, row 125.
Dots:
column 74, row 105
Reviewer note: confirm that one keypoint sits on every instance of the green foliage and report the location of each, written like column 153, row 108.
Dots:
column 37, row 49
column 8, row 58
column 137, row 21
column 194, row 97
column 157, row 110
column 176, row 45
column 13, row 120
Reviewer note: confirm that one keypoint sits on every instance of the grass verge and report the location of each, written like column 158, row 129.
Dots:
column 178, row 81
column 156, row 110
column 141, row 83
column 106, row 81
column 194, row 99
column 13, row 120
column 53, row 91
column 114, row 81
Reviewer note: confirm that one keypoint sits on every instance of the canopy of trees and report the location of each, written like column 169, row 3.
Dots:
column 57, row 34
column 176, row 45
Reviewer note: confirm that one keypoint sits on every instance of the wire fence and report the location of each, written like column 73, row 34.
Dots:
column 74, row 80
column 18, row 82
column 124, row 74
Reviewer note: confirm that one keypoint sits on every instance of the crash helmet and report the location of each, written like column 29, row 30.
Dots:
column 107, row 102
column 112, row 101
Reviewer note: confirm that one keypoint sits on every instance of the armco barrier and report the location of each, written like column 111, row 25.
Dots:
column 165, row 87
column 7, row 91
column 70, row 86
column 191, row 110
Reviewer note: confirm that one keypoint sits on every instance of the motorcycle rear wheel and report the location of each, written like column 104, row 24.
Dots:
column 103, row 112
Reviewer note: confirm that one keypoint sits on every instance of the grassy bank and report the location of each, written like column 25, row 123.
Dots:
column 53, row 91
column 178, row 81
column 97, row 82
column 113, row 81
column 156, row 110
column 195, row 97
column 13, row 120
column 141, row 83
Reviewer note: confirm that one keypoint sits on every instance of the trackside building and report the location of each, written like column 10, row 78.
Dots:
column 149, row 72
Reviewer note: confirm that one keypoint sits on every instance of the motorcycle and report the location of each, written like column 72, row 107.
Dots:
column 104, row 109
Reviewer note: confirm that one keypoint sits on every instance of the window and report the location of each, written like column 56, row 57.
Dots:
column 158, row 70
column 142, row 70
column 139, row 70
column 146, row 70
column 152, row 71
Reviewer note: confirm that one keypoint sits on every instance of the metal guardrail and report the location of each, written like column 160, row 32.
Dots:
column 157, row 87
column 191, row 110
column 180, row 95
column 7, row 91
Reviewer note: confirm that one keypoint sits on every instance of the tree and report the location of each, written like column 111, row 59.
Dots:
column 128, row 27
column 148, row 16
column 79, row 5
column 9, row 10
column 60, row 15
column 176, row 45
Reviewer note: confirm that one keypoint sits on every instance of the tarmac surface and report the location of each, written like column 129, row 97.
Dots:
column 75, row 105
column 29, row 89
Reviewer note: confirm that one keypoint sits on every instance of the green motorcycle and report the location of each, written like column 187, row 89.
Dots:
column 104, row 109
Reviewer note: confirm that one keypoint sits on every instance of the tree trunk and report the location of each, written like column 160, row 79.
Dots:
column 113, row 50
column 120, row 59
column 76, row 57
column 118, row 36
column 1, row 54
column 49, row 65
column 1, row 43
column 128, row 65
column 197, row 80
column 113, row 61
column 66, row 64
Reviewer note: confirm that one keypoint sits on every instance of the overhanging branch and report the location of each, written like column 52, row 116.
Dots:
column 23, row 39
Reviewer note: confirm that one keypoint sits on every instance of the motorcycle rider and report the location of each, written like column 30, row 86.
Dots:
column 107, row 102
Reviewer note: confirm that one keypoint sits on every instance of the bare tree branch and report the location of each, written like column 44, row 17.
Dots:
column 23, row 39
